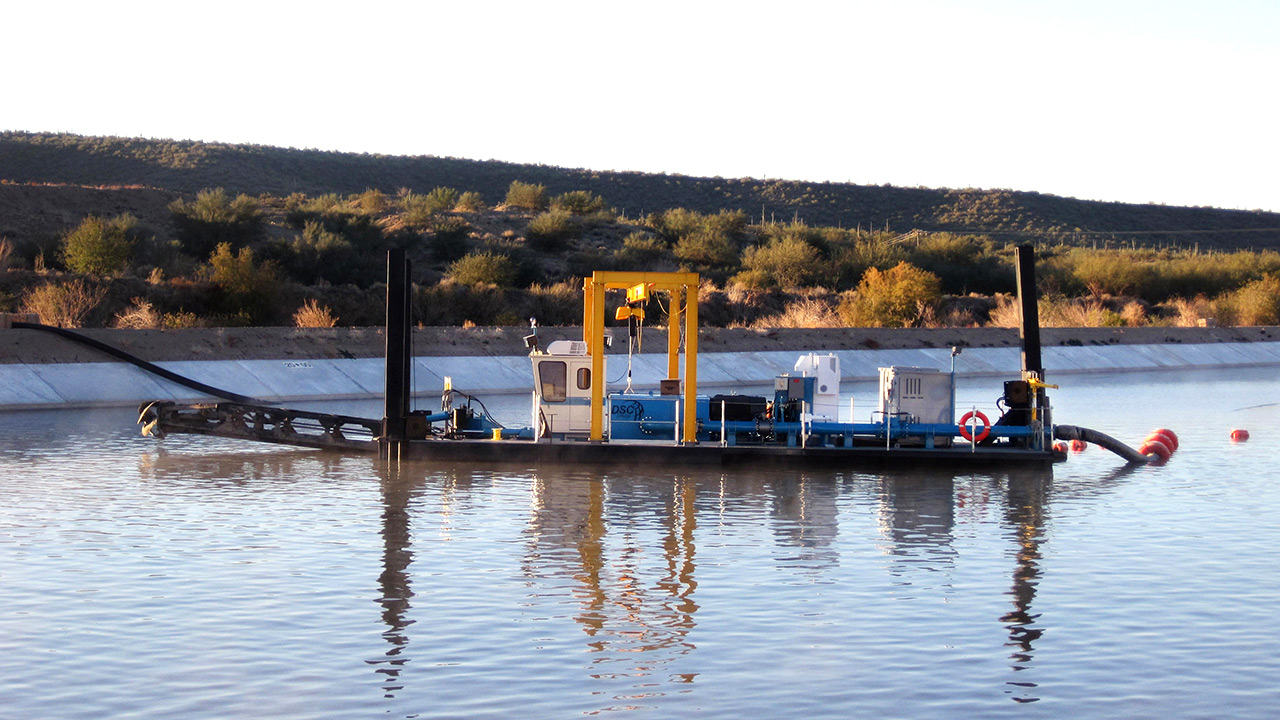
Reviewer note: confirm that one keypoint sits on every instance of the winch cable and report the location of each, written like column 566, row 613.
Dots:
column 140, row 363
column 631, row 343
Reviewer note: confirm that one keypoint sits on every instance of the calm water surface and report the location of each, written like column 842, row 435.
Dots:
column 200, row 578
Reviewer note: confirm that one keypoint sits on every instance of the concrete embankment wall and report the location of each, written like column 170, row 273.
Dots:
column 74, row 385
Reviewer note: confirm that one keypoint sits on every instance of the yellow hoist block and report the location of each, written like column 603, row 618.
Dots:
column 638, row 293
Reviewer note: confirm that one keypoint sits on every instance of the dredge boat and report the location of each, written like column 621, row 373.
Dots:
column 575, row 418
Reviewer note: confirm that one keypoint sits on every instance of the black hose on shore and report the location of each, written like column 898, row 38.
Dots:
column 1101, row 439
column 139, row 362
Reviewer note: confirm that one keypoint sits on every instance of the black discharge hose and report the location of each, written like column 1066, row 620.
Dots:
column 139, row 362
column 1072, row 432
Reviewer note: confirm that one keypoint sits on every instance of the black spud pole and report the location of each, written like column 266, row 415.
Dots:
column 1029, row 329
column 396, row 392
column 1029, row 317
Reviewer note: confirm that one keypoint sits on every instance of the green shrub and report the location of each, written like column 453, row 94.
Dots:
column 893, row 298
column 451, row 303
column 1108, row 274
column 641, row 250
column 797, row 230
column 787, row 263
column 964, row 263
column 299, row 208
column 214, row 218
column 420, row 210
column 360, row 229
column 1257, row 303
column 598, row 218
column 249, row 288
column 676, row 223
column 181, row 320
column 527, row 263
column 416, row 210
column 526, row 195
column 729, row 223
column 754, row 280
column 349, row 218
column 321, row 255
column 369, row 202
column 578, row 202
column 483, row 268
column 551, row 230
column 707, row 244
column 470, row 201
column 101, row 247
column 708, row 253
column 442, row 199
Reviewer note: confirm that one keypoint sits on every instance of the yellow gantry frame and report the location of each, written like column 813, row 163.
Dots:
column 679, row 286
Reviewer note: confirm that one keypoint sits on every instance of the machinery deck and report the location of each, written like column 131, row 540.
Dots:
column 351, row 434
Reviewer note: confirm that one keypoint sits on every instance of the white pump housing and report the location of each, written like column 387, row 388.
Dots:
column 826, row 386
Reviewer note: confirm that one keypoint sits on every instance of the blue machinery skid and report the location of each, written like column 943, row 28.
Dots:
column 576, row 419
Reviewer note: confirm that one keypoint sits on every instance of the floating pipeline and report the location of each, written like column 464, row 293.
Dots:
column 1101, row 439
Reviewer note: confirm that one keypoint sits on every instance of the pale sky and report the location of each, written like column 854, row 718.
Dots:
column 1163, row 101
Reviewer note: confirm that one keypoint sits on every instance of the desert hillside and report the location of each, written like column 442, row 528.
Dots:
column 129, row 233
column 188, row 167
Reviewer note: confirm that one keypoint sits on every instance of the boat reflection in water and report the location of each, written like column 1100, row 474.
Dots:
column 397, row 590
column 619, row 554
column 635, row 603
column 1024, row 510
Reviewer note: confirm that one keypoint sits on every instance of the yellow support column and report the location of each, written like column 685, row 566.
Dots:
column 597, row 360
column 691, row 364
column 587, row 305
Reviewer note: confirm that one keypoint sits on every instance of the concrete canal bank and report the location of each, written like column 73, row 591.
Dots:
column 279, row 365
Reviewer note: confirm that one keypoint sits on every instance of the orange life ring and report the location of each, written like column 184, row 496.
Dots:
column 964, row 429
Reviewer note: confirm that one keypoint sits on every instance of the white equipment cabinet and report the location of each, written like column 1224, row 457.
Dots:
column 918, row 395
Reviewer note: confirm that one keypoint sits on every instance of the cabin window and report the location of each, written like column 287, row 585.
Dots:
column 553, row 376
column 584, row 378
